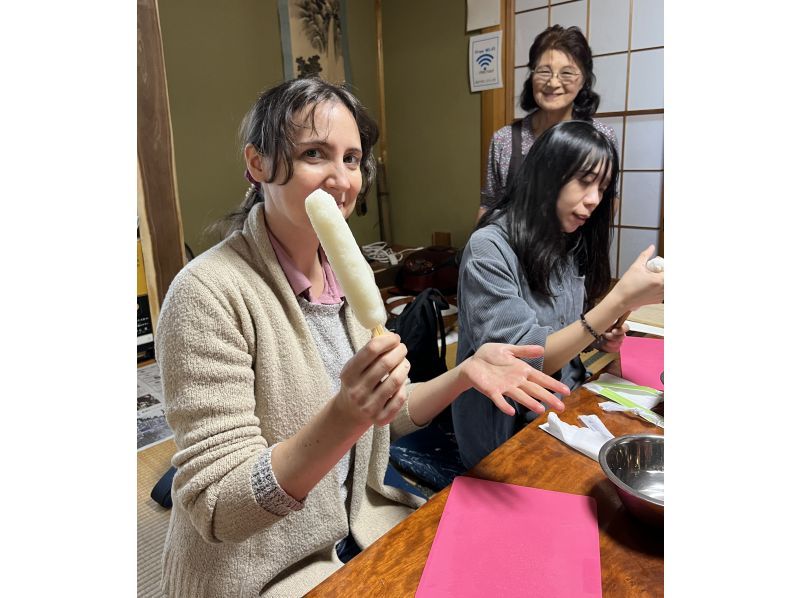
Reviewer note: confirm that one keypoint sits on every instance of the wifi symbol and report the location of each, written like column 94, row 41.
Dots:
column 484, row 60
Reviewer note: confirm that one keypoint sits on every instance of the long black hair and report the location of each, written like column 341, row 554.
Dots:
column 272, row 127
column 560, row 154
column 571, row 42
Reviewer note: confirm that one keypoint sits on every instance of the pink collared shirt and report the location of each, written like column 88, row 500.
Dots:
column 301, row 286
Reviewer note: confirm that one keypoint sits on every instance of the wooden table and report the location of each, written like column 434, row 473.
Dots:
column 631, row 554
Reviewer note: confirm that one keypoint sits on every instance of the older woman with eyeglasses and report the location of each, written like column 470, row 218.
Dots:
column 559, row 88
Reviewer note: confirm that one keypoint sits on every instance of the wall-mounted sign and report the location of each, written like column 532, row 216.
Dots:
column 482, row 14
column 485, row 58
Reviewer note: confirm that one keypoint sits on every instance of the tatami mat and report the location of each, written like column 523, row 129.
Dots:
column 153, row 519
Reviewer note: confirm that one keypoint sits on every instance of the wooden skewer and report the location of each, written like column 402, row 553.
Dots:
column 379, row 330
column 621, row 320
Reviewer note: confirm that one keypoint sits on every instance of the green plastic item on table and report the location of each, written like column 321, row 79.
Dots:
column 646, row 414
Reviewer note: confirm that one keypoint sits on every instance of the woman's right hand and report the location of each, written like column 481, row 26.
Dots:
column 639, row 286
column 373, row 385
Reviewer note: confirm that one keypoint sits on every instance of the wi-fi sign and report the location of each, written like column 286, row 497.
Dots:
column 484, row 60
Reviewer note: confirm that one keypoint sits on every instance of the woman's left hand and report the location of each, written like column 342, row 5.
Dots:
column 496, row 370
column 612, row 339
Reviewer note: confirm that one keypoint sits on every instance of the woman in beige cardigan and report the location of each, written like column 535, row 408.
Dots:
column 282, row 406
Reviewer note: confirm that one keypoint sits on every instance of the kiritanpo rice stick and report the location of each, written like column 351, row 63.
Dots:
column 349, row 265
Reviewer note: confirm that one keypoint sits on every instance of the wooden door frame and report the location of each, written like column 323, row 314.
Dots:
column 160, row 225
column 497, row 106
column 383, row 199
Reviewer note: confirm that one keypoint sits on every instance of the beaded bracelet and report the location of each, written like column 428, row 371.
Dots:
column 590, row 330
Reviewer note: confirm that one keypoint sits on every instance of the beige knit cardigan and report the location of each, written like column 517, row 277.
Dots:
column 241, row 372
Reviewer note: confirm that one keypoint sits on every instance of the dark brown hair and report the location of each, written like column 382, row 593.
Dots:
column 530, row 206
column 271, row 126
column 571, row 42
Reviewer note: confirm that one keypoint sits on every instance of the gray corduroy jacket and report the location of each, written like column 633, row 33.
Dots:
column 496, row 305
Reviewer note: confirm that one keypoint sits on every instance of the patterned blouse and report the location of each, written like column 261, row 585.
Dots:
column 500, row 157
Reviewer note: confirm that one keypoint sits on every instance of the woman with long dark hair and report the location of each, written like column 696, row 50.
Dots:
column 558, row 88
column 536, row 270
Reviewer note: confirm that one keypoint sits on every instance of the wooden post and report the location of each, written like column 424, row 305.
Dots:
column 159, row 211
column 381, row 179
column 497, row 108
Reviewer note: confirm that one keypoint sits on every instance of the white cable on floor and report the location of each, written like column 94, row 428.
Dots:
column 382, row 253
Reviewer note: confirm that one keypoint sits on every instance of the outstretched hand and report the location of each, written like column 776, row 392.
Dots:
column 497, row 370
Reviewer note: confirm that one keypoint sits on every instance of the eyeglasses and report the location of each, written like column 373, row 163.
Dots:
column 567, row 77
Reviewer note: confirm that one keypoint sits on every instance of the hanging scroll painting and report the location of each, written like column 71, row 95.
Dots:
column 314, row 39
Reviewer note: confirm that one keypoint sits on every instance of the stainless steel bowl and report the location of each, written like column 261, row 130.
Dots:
column 635, row 465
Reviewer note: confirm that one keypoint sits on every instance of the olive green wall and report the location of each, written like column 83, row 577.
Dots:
column 362, row 37
column 433, row 121
column 218, row 57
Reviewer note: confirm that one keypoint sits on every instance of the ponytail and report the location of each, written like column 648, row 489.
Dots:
column 235, row 220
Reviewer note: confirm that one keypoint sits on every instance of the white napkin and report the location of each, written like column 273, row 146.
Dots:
column 586, row 440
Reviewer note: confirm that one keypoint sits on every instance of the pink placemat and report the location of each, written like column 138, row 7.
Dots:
column 498, row 539
column 642, row 361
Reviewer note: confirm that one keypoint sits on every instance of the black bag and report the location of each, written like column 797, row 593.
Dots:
column 430, row 455
column 418, row 325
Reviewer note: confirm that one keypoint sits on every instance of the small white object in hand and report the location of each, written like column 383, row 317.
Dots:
column 656, row 264
column 351, row 269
